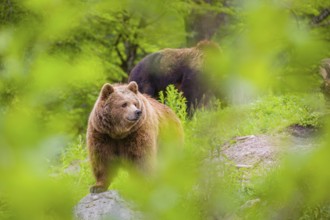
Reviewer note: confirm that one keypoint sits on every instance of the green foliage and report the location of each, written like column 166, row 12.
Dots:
column 296, row 190
column 55, row 55
column 282, row 111
column 175, row 100
column 4, row 208
column 268, row 115
column 73, row 166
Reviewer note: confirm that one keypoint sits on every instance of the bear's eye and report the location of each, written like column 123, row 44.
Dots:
column 124, row 105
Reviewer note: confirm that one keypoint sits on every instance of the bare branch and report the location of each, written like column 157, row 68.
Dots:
column 324, row 24
column 117, row 49
column 323, row 15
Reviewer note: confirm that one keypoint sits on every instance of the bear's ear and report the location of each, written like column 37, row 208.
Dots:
column 133, row 86
column 106, row 90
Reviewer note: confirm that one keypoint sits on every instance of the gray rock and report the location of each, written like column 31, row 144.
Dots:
column 106, row 205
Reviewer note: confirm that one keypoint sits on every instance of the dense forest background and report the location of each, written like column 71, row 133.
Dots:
column 55, row 55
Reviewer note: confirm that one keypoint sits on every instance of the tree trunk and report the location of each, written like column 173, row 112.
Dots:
column 202, row 24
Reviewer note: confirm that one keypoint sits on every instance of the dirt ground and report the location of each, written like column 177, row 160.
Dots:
column 266, row 150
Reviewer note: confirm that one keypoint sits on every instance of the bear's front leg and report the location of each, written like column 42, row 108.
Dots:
column 104, row 167
column 146, row 164
column 104, row 174
column 102, row 182
column 100, row 171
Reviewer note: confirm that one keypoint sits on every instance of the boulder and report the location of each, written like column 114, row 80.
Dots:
column 106, row 205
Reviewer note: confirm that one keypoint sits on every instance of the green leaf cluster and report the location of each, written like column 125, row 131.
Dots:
column 175, row 100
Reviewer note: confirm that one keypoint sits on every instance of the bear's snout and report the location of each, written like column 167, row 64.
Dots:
column 135, row 115
column 138, row 113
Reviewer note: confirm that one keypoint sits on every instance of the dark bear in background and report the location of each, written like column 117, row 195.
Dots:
column 184, row 68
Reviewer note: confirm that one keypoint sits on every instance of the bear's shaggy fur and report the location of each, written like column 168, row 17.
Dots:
column 180, row 67
column 125, row 125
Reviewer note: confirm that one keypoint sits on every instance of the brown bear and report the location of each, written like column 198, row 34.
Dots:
column 183, row 68
column 125, row 126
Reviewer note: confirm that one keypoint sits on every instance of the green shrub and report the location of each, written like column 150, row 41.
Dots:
column 73, row 166
column 175, row 100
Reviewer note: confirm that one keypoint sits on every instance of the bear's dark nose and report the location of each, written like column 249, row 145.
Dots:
column 138, row 113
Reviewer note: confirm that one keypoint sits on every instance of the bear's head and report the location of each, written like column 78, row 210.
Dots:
column 119, row 110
